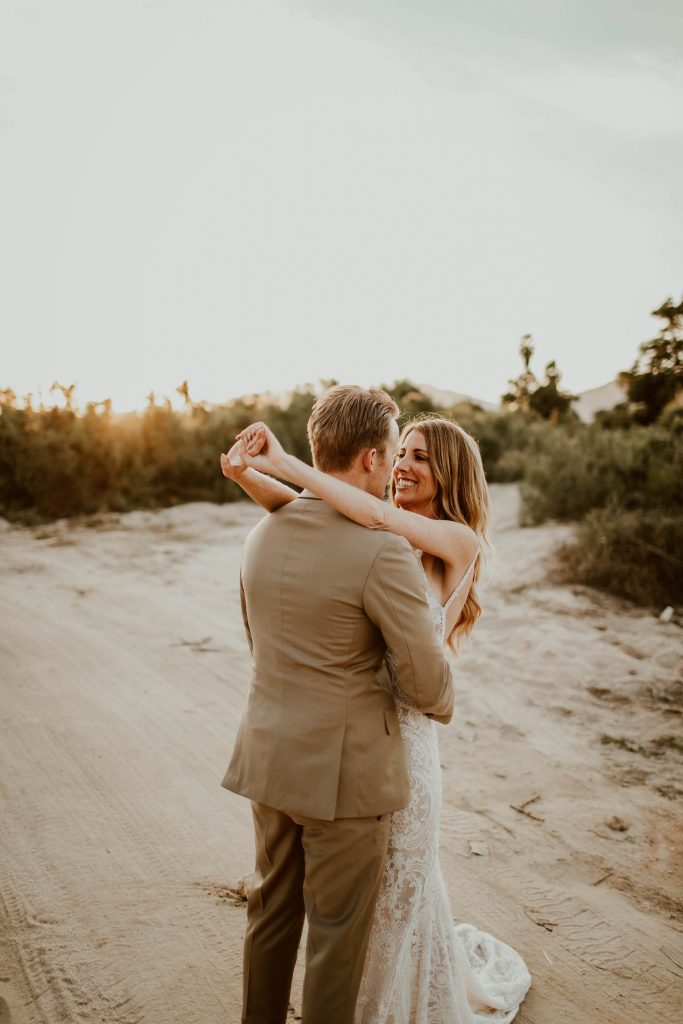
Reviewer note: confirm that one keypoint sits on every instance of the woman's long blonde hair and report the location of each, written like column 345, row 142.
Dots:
column 461, row 495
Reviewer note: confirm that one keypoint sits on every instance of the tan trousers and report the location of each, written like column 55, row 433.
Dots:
column 330, row 871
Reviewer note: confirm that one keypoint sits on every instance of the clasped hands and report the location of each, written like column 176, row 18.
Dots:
column 256, row 447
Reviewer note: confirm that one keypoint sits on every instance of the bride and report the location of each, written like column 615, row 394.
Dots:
column 420, row 968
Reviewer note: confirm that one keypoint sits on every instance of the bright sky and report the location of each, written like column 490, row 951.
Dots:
column 254, row 195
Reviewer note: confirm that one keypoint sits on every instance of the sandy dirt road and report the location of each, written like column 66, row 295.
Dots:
column 123, row 674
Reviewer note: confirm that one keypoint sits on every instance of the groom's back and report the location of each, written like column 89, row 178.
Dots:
column 303, row 574
column 320, row 736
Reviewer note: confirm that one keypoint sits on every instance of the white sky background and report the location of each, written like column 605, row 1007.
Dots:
column 254, row 195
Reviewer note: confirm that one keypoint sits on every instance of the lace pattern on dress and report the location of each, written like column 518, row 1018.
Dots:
column 420, row 969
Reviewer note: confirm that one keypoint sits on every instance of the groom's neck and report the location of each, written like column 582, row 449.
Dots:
column 354, row 477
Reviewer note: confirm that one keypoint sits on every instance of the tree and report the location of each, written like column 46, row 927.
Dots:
column 410, row 399
column 184, row 391
column 543, row 399
column 656, row 378
column 547, row 400
column 67, row 391
column 522, row 387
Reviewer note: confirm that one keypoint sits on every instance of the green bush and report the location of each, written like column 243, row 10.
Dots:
column 636, row 554
column 58, row 462
column 625, row 490
column 503, row 439
column 570, row 471
column 624, row 486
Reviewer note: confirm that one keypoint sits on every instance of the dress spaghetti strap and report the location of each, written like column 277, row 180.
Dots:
column 468, row 572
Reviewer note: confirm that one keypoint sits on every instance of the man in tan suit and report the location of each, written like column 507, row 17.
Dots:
column 319, row 750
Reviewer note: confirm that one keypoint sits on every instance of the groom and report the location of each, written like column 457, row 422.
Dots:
column 319, row 751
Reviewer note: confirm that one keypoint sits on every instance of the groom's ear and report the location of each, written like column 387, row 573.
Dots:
column 369, row 460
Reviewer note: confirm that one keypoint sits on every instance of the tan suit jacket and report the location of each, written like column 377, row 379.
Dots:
column 322, row 600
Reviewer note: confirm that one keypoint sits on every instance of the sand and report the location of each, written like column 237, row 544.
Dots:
column 124, row 672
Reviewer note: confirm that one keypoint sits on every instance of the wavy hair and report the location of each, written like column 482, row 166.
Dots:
column 461, row 495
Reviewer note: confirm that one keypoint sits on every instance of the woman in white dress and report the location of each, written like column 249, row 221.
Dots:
column 420, row 967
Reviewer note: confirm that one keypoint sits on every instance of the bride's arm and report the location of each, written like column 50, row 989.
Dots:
column 451, row 542
column 268, row 493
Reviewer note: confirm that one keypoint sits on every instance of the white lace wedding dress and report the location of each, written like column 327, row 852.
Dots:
column 420, row 967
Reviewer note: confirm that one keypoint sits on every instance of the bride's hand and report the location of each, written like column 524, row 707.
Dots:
column 233, row 463
column 262, row 450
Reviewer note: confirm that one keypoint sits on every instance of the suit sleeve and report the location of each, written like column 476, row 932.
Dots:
column 245, row 619
column 394, row 600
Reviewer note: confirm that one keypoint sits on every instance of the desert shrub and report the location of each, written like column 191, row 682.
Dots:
column 625, row 490
column 503, row 439
column 636, row 554
column 57, row 462
column 510, row 467
column 570, row 471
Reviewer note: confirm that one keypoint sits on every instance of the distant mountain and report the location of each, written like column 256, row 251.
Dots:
column 440, row 396
column 588, row 402
column 595, row 399
column 445, row 398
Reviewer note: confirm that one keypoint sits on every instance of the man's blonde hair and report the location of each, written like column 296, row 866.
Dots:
column 346, row 421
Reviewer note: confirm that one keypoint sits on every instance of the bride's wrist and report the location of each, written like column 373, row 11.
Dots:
column 286, row 466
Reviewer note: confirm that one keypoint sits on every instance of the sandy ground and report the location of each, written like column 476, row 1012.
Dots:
column 124, row 673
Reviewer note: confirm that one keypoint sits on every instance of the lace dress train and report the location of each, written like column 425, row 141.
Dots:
column 420, row 967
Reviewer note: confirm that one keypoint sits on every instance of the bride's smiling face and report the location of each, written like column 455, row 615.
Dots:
column 413, row 480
